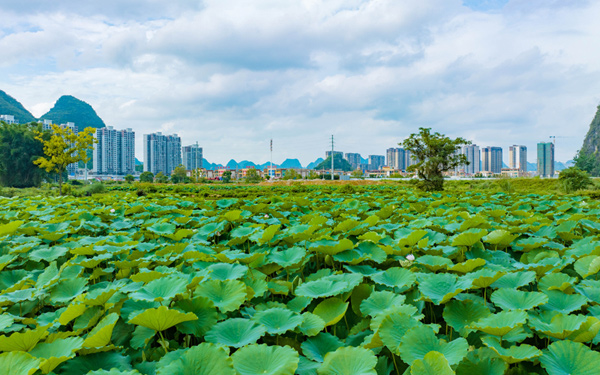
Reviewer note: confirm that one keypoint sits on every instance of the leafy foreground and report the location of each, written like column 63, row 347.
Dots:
column 373, row 282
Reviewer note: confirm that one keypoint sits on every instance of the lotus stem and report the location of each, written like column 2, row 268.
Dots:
column 395, row 364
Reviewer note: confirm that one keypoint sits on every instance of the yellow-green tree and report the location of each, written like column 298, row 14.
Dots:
column 63, row 148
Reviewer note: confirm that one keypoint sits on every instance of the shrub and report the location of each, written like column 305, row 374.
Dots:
column 66, row 189
column 573, row 179
column 95, row 188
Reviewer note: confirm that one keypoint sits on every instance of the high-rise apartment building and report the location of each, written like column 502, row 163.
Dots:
column 46, row 124
column 545, row 159
column 517, row 158
column 396, row 158
column 162, row 153
column 376, row 162
column 114, row 154
column 354, row 159
column 473, row 158
column 192, row 157
column 491, row 158
column 9, row 119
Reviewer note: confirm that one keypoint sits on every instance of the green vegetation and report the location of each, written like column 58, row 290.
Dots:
column 252, row 176
column 70, row 109
column 588, row 158
column 179, row 175
column 333, row 279
column 18, row 150
column 339, row 164
column 226, row 177
column 573, row 179
column 433, row 154
column 147, row 177
column 10, row 106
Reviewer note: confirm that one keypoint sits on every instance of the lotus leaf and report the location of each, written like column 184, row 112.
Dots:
column 18, row 363
column 483, row 278
column 392, row 329
column 420, row 340
column 100, row 335
column 161, row 318
column 331, row 310
column 205, row 312
column 501, row 323
column 499, row 237
column 163, row 289
column 468, row 238
column 379, row 301
column 433, row 363
column 556, row 281
column 588, row 265
column 467, row 266
column 562, row 302
column 226, row 295
column 162, row 229
column 570, row 358
column 434, row 263
column 482, row 361
column 513, row 299
column 515, row 280
column 513, row 354
column 587, row 331
column 287, row 258
column 460, row 314
column 263, row 359
column 224, row 271
column 236, row 332
column 24, row 341
column 141, row 337
column 204, row 359
column 556, row 325
column 315, row 348
column 349, row 361
column 56, row 352
column 325, row 287
column 278, row 320
column 440, row 288
column 311, row 324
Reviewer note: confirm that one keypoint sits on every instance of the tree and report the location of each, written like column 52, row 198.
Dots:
column 587, row 162
column 226, row 177
column 129, row 178
column 147, row 177
column 18, row 150
column 179, row 174
column 573, row 179
column 62, row 148
column 357, row 173
column 291, row 174
column 339, row 163
column 161, row 178
column 252, row 176
column 434, row 154
column 312, row 175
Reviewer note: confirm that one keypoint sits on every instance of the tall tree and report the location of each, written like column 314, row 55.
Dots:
column 434, row 154
column 62, row 148
column 18, row 150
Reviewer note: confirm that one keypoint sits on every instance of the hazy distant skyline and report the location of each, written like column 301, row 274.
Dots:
column 231, row 75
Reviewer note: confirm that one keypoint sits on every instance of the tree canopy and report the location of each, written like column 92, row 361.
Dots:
column 18, row 150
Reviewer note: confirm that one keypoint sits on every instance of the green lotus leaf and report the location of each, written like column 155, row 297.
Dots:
column 556, row 281
column 48, row 253
column 349, row 361
column 331, row 310
column 47, row 277
column 307, row 367
column 379, row 301
column 469, row 237
column 263, row 359
column 278, row 320
column 460, row 314
column 18, row 363
column 73, row 311
column 10, row 228
column 513, row 354
column 393, row 328
column 420, row 340
column 467, row 266
column 324, row 287
column 162, row 229
column 114, row 371
column 24, row 341
column 483, row 278
column 68, row 289
column 531, row 243
column 159, row 290
column 98, row 297
column 141, row 336
column 287, row 258
column 227, row 271
column 100, row 335
column 6, row 320
column 513, row 299
column 588, row 265
column 161, row 318
column 204, row 359
column 501, row 323
column 204, row 310
column 83, row 364
column 18, row 296
column 315, row 348
column 57, row 352
column 311, row 324
column 587, row 331
column 224, row 203
column 515, row 280
column 236, row 332
column 226, row 295
column 570, row 358
column 562, row 302
column 440, row 288
column 482, row 361
column 398, row 309
column 434, row 263
column 556, row 325
column 499, row 237
column 329, row 247
column 433, row 363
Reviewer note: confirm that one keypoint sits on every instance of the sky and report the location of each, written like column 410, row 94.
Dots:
column 233, row 74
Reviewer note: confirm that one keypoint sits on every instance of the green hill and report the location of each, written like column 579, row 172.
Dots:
column 10, row 106
column 70, row 109
column 588, row 158
column 339, row 163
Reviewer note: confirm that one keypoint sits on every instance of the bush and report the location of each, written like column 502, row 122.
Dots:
column 66, row 189
column 573, row 179
column 346, row 189
column 95, row 188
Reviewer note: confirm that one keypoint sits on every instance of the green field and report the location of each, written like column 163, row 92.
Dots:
column 378, row 279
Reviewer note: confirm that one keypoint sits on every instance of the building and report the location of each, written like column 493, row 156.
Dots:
column 8, row 119
column 328, row 153
column 473, row 158
column 114, row 154
column 192, row 157
column 354, row 159
column 46, row 125
column 517, row 158
column 491, row 158
column 376, row 162
column 396, row 158
column 162, row 153
column 545, row 159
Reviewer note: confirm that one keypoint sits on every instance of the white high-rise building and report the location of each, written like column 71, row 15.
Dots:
column 162, row 153
column 354, row 159
column 114, row 154
column 192, row 157
column 473, row 158
column 9, row 119
column 517, row 158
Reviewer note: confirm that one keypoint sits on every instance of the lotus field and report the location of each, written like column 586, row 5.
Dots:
column 374, row 281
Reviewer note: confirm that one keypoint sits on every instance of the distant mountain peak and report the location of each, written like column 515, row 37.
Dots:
column 10, row 106
column 70, row 109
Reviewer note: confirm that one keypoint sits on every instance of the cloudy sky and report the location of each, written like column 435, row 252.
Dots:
column 232, row 74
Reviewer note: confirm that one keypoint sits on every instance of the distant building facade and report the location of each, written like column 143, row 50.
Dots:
column 491, row 158
column 473, row 158
column 114, row 154
column 8, row 119
column 328, row 153
column 162, row 153
column 354, row 159
column 376, row 162
column 517, row 158
column 46, row 125
column 396, row 158
column 192, row 157
column 545, row 159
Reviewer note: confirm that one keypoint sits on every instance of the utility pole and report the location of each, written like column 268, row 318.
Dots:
column 271, row 162
column 332, row 157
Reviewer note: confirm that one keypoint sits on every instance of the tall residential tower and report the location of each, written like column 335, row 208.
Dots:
column 114, row 154
column 162, row 153
column 545, row 159
column 517, row 158
column 491, row 158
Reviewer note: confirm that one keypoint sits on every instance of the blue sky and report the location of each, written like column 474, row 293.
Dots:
column 232, row 74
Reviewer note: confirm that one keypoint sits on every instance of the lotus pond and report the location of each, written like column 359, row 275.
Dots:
column 375, row 281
